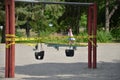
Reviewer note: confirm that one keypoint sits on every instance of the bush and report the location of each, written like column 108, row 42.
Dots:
column 115, row 32
column 82, row 37
column 19, row 34
column 45, row 36
column 103, row 36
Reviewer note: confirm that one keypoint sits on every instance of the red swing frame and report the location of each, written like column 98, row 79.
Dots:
column 10, row 33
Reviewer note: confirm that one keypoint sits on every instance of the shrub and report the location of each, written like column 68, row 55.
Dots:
column 115, row 32
column 103, row 36
column 82, row 37
column 19, row 34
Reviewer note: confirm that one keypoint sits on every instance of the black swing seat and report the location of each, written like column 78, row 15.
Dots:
column 69, row 52
column 39, row 55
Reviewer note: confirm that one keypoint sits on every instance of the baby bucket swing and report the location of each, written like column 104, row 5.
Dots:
column 39, row 55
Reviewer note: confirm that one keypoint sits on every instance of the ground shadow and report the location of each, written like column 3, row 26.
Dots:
column 70, row 71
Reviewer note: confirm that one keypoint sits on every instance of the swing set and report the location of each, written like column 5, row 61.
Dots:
column 10, row 33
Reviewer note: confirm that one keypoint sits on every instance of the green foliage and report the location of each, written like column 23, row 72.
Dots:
column 103, row 36
column 46, row 33
column 116, row 33
column 19, row 34
column 42, row 16
column 82, row 37
column 2, row 15
column 83, row 21
column 23, row 14
column 49, row 37
column 56, row 39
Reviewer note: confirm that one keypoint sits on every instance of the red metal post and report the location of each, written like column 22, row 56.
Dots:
column 89, row 39
column 7, row 32
column 94, row 33
column 10, row 30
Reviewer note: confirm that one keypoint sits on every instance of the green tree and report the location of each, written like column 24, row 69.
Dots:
column 71, row 16
column 23, row 16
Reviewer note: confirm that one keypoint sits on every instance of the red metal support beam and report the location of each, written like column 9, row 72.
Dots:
column 89, row 39
column 10, row 32
column 7, row 32
column 94, row 33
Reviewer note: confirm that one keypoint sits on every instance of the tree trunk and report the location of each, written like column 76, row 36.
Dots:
column 109, row 14
column 27, row 28
column 28, row 32
column 107, row 17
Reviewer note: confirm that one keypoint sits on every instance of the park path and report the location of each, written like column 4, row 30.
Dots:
column 56, row 66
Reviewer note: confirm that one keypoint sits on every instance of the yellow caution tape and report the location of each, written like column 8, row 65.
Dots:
column 10, row 35
column 32, row 39
column 92, row 42
column 8, row 45
column 91, row 37
column 11, row 39
column 22, row 39
column 30, row 44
